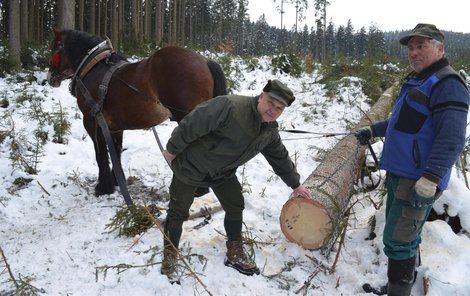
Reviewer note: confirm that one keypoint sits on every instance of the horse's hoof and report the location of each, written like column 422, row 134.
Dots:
column 103, row 190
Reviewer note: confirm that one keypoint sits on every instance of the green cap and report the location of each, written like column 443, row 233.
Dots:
column 423, row 30
column 279, row 91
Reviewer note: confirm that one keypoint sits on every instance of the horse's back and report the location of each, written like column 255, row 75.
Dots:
column 182, row 79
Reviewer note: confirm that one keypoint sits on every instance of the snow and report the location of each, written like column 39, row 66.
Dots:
column 59, row 237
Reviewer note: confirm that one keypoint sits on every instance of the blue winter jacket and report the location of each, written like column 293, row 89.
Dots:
column 426, row 130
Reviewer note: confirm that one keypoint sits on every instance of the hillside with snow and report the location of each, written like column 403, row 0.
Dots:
column 53, row 229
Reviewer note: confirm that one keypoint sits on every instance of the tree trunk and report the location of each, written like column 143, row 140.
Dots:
column 105, row 18
column 174, row 21
column 92, row 29
column 133, row 20
column 147, row 21
column 159, row 22
column 66, row 14
column 24, row 22
column 81, row 8
column 331, row 184
column 98, row 19
column 115, row 22
column 182, row 22
column 14, row 34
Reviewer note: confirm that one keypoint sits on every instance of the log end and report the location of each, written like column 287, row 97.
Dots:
column 305, row 222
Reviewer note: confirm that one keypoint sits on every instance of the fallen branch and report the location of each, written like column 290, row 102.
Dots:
column 42, row 187
column 12, row 277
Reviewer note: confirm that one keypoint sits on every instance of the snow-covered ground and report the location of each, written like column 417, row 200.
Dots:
column 53, row 229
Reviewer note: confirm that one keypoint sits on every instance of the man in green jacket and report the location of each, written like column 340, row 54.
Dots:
column 206, row 149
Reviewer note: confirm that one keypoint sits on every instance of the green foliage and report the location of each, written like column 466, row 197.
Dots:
column 232, row 73
column 289, row 63
column 309, row 64
column 252, row 64
column 21, row 182
column 26, row 97
column 4, row 103
column 61, row 125
column 375, row 78
column 6, row 65
column 130, row 221
column 24, row 154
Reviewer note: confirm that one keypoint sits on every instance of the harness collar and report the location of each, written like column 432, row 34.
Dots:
column 94, row 56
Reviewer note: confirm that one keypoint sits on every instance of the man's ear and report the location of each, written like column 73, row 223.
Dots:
column 441, row 48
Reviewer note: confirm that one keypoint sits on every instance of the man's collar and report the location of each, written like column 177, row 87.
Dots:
column 425, row 73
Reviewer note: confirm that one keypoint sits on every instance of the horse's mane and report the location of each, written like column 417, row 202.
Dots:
column 77, row 44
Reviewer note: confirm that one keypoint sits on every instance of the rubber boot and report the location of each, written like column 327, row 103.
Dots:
column 170, row 266
column 401, row 276
column 238, row 259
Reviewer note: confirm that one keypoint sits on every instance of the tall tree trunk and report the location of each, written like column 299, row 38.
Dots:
column 105, row 18
column 191, row 23
column 92, row 29
column 121, row 24
column 159, row 12
column 39, row 21
column 115, row 23
column 14, row 34
column 31, row 18
column 81, row 8
column 173, row 21
column 98, row 19
column 24, row 22
column 66, row 14
column 147, row 21
column 182, row 21
column 139, row 21
column 133, row 21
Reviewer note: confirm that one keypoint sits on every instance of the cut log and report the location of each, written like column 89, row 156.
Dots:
column 330, row 184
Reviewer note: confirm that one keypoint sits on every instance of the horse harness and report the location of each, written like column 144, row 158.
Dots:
column 94, row 56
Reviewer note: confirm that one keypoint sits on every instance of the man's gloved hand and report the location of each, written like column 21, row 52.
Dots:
column 363, row 135
column 424, row 193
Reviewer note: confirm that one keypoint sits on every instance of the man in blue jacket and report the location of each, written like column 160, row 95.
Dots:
column 423, row 138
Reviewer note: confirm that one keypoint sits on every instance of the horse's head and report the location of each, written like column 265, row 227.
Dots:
column 60, row 65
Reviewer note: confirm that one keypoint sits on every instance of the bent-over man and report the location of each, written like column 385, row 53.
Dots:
column 206, row 149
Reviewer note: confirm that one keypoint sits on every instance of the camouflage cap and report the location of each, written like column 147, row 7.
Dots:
column 279, row 91
column 423, row 30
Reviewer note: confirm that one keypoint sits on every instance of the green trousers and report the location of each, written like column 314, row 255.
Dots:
column 229, row 194
column 402, row 232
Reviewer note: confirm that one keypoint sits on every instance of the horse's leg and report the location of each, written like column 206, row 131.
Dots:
column 117, row 140
column 106, row 182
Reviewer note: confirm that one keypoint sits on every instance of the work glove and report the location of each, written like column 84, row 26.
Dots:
column 363, row 135
column 424, row 193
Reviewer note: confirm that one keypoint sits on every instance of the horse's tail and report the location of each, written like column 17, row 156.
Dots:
column 220, row 83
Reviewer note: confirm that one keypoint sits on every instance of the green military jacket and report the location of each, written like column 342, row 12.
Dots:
column 222, row 134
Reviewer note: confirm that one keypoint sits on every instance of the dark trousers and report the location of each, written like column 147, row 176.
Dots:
column 229, row 194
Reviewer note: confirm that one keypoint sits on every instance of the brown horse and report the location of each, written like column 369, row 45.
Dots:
column 168, row 84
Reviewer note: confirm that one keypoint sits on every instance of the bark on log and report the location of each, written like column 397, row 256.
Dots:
column 315, row 225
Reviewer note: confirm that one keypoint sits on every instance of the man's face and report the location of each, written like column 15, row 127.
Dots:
column 422, row 53
column 269, row 109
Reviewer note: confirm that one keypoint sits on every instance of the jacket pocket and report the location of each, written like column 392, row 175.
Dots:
column 409, row 120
